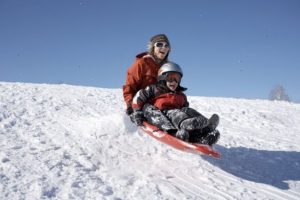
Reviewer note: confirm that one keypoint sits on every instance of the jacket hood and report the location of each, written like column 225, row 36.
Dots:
column 180, row 88
column 141, row 55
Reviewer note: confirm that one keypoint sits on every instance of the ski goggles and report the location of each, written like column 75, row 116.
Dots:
column 173, row 76
column 162, row 44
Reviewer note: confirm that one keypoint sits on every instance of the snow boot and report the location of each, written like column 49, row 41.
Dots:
column 211, row 138
column 172, row 132
column 196, row 136
column 200, row 123
column 213, row 122
column 183, row 135
column 195, row 123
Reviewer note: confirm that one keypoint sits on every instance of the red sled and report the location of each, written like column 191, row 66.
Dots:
column 177, row 143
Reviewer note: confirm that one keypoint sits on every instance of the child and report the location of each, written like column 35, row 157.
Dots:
column 165, row 105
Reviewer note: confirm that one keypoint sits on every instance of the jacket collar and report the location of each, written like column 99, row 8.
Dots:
column 178, row 89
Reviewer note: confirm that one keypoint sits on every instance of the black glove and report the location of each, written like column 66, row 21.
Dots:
column 138, row 117
column 129, row 110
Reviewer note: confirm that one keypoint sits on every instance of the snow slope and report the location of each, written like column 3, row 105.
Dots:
column 71, row 142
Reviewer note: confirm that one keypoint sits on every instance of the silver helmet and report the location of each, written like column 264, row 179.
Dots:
column 168, row 67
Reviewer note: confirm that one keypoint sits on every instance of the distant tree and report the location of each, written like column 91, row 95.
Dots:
column 278, row 93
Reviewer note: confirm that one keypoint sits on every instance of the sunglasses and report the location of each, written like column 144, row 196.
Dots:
column 161, row 44
column 173, row 77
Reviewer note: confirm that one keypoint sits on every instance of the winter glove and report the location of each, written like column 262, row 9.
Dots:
column 138, row 117
column 129, row 110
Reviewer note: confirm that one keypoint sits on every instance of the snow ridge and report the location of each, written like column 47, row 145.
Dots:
column 72, row 142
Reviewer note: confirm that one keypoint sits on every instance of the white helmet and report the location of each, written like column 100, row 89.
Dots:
column 168, row 67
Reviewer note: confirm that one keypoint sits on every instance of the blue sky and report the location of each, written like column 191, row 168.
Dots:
column 232, row 48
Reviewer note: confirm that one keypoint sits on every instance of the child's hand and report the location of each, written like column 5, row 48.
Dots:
column 129, row 110
column 138, row 117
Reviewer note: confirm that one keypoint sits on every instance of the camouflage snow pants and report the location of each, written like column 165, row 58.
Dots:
column 186, row 118
column 170, row 120
column 156, row 117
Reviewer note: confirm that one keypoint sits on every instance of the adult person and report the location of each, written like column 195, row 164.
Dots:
column 143, row 71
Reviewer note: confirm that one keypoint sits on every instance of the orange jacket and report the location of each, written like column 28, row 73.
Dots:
column 141, row 74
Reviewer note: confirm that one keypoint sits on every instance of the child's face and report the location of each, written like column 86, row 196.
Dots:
column 173, row 80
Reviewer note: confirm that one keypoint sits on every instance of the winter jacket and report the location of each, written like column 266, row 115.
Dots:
column 140, row 75
column 161, row 97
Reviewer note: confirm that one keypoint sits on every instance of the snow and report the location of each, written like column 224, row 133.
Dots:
column 73, row 142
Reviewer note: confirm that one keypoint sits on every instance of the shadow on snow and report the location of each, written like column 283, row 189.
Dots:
column 261, row 166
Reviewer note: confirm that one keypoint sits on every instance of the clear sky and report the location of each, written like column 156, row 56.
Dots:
column 227, row 48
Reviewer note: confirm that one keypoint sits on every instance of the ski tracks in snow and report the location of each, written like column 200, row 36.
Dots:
column 55, row 141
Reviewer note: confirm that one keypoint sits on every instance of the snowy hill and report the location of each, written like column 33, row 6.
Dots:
column 70, row 142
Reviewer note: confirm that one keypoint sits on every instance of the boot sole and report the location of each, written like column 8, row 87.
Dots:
column 213, row 121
